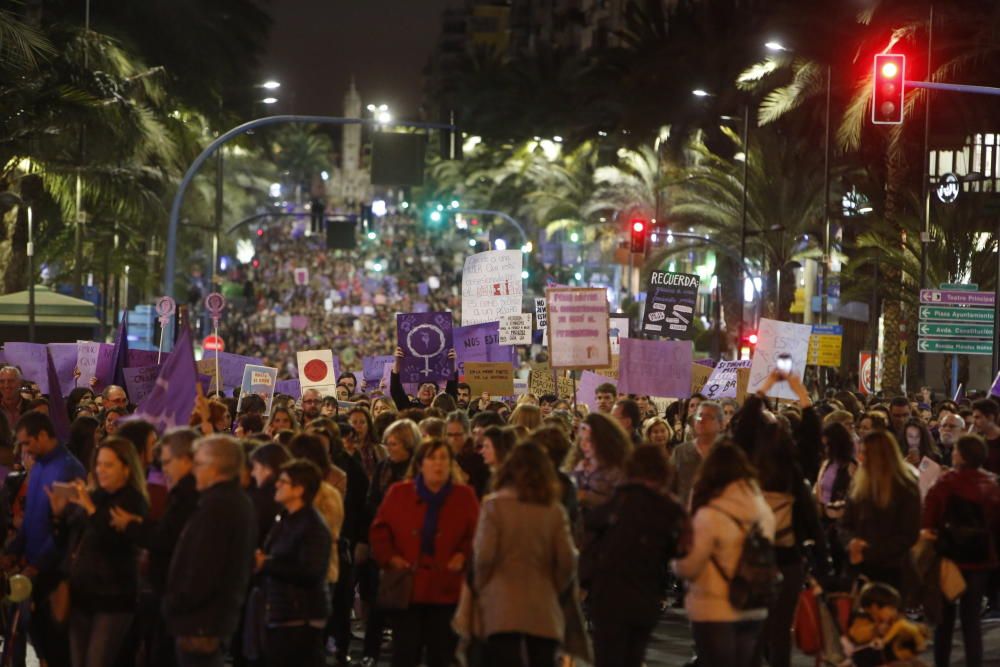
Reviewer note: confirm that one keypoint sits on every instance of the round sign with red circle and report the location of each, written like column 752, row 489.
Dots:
column 315, row 370
column 214, row 343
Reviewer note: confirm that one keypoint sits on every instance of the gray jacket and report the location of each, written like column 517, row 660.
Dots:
column 523, row 559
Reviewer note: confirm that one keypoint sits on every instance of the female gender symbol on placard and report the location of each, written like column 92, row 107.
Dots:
column 166, row 307
column 425, row 338
column 215, row 303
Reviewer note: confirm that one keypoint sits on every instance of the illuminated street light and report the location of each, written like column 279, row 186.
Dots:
column 574, row 237
column 775, row 46
column 500, row 244
column 698, row 92
column 472, row 243
column 270, row 100
column 271, row 85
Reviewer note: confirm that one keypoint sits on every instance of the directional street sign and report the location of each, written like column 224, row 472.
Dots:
column 956, row 297
column 939, row 329
column 956, row 314
column 952, row 346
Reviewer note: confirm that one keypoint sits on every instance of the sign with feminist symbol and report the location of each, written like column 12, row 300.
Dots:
column 426, row 339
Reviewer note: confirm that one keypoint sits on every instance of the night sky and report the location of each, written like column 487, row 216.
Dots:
column 317, row 45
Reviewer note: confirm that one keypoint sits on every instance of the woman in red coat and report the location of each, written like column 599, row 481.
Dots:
column 426, row 524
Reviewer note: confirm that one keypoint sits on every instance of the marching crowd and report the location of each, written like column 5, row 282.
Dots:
column 441, row 524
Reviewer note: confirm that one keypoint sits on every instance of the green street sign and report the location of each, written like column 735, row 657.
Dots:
column 951, row 346
column 952, row 314
column 948, row 330
column 969, row 287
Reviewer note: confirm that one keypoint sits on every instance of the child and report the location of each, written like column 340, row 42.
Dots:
column 878, row 634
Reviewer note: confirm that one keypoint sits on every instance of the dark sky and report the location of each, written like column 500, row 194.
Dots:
column 317, row 45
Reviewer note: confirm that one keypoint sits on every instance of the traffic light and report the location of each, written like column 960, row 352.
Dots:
column 887, row 96
column 317, row 214
column 748, row 344
column 638, row 227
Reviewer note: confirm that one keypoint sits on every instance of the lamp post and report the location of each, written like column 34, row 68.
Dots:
column 31, row 278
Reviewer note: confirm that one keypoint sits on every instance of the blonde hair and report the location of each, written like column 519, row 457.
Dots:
column 882, row 469
column 527, row 415
column 653, row 421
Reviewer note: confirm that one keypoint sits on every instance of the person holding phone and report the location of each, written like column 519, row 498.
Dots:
column 104, row 562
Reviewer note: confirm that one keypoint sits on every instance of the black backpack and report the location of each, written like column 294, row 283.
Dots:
column 964, row 536
column 756, row 579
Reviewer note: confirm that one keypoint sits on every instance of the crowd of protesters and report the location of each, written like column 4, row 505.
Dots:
column 415, row 528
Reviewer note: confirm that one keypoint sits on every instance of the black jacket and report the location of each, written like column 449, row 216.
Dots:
column 160, row 537
column 266, row 508
column 103, row 563
column 298, row 554
column 889, row 531
column 387, row 473
column 403, row 402
column 355, row 499
column 637, row 533
column 210, row 570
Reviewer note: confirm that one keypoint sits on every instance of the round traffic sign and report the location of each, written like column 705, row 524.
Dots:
column 214, row 343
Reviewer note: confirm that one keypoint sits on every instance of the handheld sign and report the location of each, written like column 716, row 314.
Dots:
column 165, row 309
column 671, row 299
column 578, row 327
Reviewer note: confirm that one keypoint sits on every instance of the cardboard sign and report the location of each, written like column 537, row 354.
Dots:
column 541, row 313
column 515, row 329
column 578, row 327
column 426, row 339
column 777, row 338
column 282, row 321
column 494, row 378
column 260, row 380
column 671, row 299
column 618, row 325
column 301, row 276
column 728, row 380
column 491, row 286
column 699, row 376
column 139, row 382
column 317, row 370
column 656, row 368
column 540, row 382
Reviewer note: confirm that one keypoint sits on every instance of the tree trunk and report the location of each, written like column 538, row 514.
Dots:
column 894, row 344
column 731, row 284
column 13, row 251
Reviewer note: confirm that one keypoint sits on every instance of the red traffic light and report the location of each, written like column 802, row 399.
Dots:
column 260, row 232
column 752, row 339
column 888, row 89
column 638, row 236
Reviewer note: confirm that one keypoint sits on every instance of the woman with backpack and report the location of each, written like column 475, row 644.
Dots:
column 962, row 515
column 882, row 516
column 732, row 528
column 787, row 493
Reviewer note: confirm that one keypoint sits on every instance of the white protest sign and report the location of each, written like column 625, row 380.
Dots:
column 301, row 276
column 776, row 338
column 282, row 321
column 316, row 370
column 541, row 313
column 491, row 286
column 578, row 327
column 86, row 361
column 515, row 329
column 724, row 380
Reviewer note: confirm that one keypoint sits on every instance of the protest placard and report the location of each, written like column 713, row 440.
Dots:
column 260, row 380
column 86, row 361
column 64, row 360
column 481, row 342
column 515, row 329
column 578, row 327
column 231, row 367
column 301, row 276
column 426, row 339
column 317, row 370
column 541, row 313
column 540, row 382
column 139, row 382
column 613, row 370
column 206, row 367
column 33, row 360
column 671, row 299
column 373, row 368
column 282, row 321
column 728, row 380
column 520, row 386
column 494, row 378
column 143, row 358
column 491, row 286
column 776, row 338
column 288, row 388
column 699, row 376
column 655, row 368
column 586, row 388
column 105, row 367
column 618, row 325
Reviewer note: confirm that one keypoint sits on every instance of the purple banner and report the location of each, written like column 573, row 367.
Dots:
column 587, row 386
column 426, row 339
column 481, row 342
column 655, row 367
column 374, row 367
column 139, row 382
column 64, row 360
column 142, row 358
column 33, row 360
column 289, row 388
column 231, row 367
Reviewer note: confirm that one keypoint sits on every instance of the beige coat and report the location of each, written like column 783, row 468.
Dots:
column 330, row 506
column 715, row 534
column 523, row 559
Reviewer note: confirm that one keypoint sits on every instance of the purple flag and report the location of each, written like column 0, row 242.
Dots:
column 426, row 340
column 481, row 342
column 171, row 401
column 32, row 359
column 655, row 367
column 111, row 371
column 289, row 388
column 995, row 389
column 57, row 408
column 64, row 358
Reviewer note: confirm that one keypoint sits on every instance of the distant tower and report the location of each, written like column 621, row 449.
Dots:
column 352, row 134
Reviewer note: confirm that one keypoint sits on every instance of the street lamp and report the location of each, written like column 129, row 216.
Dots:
column 775, row 46
column 270, row 100
column 698, row 92
column 271, row 85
